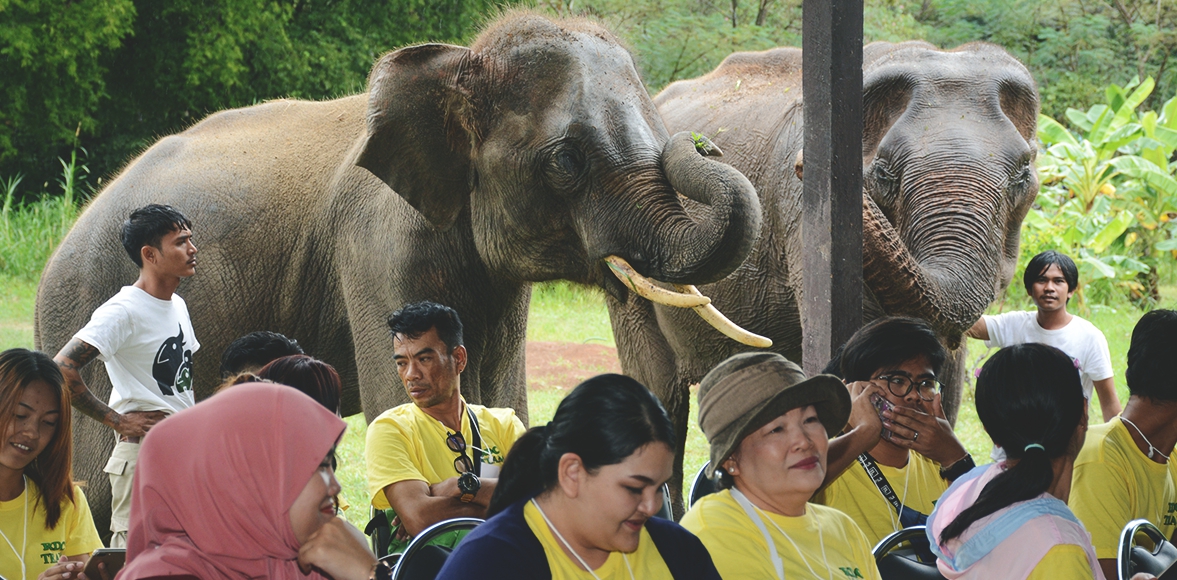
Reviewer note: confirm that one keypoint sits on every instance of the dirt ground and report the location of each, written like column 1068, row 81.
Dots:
column 566, row 364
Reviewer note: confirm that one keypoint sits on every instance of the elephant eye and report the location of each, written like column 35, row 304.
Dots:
column 885, row 179
column 564, row 169
column 1023, row 174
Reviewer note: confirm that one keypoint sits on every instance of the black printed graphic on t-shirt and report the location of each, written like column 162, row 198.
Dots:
column 173, row 365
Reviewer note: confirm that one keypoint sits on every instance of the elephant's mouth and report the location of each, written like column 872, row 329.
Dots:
column 683, row 296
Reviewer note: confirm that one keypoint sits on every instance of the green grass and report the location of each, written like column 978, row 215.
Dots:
column 566, row 312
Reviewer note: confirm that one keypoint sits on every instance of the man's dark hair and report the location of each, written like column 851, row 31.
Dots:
column 415, row 319
column 1151, row 354
column 147, row 226
column 1039, row 264
column 885, row 342
column 255, row 350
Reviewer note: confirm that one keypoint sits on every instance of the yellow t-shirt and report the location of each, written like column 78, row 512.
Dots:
column 645, row 562
column 740, row 551
column 918, row 486
column 74, row 534
column 1114, row 483
column 406, row 444
column 1063, row 562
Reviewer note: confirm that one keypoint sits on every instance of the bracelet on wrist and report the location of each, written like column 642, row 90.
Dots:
column 961, row 467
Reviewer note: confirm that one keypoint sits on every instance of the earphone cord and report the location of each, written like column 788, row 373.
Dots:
column 1151, row 449
column 25, row 542
column 581, row 560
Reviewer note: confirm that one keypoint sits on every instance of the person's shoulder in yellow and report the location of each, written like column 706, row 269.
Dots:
column 389, row 450
column 823, row 540
column 500, row 429
column 645, row 562
column 1063, row 562
column 917, row 485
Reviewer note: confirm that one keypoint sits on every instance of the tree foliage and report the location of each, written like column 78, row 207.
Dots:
column 125, row 72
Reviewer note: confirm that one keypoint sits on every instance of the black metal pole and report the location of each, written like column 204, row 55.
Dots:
column 831, row 309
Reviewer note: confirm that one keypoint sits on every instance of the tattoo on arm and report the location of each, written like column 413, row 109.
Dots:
column 89, row 405
column 75, row 355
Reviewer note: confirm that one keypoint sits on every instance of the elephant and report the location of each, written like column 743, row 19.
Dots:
column 462, row 176
column 949, row 142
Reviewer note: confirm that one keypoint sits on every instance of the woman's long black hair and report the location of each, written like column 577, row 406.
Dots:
column 1028, row 395
column 603, row 420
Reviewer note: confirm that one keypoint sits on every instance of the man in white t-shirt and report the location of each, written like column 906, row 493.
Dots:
column 144, row 337
column 1051, row 279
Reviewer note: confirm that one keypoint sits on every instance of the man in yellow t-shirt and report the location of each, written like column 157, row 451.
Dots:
column 435, row 458
column 890, row 478
column 917, row 485
column 1127, row 469
column 823, row 541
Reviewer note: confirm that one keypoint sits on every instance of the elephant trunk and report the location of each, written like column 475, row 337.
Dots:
column 704, row 250
column 936, row 275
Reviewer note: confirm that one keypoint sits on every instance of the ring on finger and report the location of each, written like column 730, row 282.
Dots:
column 916, row 436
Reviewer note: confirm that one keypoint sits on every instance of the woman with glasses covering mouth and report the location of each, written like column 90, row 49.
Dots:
column 900, row 453
column 768, row 427
column 575, row 497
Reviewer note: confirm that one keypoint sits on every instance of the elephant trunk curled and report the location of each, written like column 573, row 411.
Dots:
column 706, row 248
column 935, row 275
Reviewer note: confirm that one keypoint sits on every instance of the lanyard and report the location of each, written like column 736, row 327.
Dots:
column 569, row 546
column 777, row 563
column 476, row 436
column 754, row 514
column 876, row 476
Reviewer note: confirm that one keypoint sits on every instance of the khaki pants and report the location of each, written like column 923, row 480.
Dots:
column 121, row 470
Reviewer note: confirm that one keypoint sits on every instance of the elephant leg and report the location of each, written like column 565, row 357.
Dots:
column 647, row 356
column 954, row 380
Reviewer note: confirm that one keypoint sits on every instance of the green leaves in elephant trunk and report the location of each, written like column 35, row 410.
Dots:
column 949, row 301
column 703, row 250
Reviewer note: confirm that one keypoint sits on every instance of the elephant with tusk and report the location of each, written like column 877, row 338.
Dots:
column 461, row 176
column 949, row 143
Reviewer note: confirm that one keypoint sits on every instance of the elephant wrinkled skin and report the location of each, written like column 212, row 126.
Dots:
column 948, row 148
column 461, row 176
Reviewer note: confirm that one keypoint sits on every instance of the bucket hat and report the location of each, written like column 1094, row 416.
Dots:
column 748, row 390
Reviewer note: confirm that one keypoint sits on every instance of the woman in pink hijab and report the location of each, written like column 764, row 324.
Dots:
column 241, row 486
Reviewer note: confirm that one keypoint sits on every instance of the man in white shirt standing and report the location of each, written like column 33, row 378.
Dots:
column 144, row 337
column 1051, row 278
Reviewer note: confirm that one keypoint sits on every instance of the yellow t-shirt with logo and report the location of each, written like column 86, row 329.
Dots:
column 740, row 551
column 645, row 562
column 1114, row 483
column 918, row 486
column 74, row 534
column 404, row 443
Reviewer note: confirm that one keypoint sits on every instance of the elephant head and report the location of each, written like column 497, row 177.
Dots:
column 949, row 143
column 542, row 137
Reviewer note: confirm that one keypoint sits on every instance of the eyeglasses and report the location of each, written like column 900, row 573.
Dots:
column 457, row 444
column 900, row 386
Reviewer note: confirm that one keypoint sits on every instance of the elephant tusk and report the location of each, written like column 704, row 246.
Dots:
column 647, row 289
column 721, row 323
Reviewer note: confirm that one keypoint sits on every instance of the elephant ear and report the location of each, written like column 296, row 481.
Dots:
column 418, row 140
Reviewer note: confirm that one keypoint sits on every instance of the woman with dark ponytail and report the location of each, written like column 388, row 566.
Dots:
column 575, row 497
column 1010, row 519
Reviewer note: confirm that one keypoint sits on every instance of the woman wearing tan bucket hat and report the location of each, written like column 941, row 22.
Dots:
column 769, row 427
